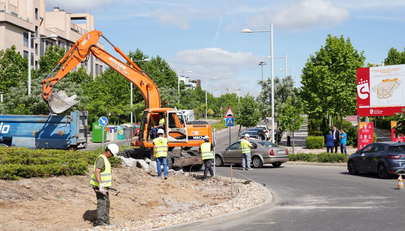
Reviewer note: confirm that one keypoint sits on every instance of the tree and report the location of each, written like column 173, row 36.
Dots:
column 328, row 80
column 249, row 114
column 395, row 57
column 289, row 117
column 283, row 88
column 13, row 69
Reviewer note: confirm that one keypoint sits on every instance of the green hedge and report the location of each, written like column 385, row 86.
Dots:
column 22, row 162
column 314, row 142
column 322, row 157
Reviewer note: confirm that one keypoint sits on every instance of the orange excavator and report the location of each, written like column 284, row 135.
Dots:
column 179, row 133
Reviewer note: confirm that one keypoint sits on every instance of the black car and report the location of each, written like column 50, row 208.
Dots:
column 381, row 158
column 256, row 132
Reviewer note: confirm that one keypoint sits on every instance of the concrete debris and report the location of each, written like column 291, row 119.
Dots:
column 142, row 164
column 129, row 162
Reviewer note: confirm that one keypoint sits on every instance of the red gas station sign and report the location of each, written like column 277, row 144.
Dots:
column 365, row 134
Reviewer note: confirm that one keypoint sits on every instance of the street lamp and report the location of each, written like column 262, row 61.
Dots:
column 261, row 64
column 285, row 63
column 271, row 31
column 52, row 36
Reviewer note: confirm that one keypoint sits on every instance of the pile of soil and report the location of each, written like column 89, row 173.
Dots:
column 68, row 203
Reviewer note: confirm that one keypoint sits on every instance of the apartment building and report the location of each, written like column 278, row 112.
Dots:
column 189, row 83
column 28, row 26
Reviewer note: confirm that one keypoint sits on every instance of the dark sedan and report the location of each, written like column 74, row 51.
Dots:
column 381, row 158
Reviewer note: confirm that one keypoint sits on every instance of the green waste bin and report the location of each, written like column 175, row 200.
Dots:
column 120, row 133
column 97, row 133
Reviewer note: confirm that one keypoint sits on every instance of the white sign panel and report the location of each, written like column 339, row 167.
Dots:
column 387, row 85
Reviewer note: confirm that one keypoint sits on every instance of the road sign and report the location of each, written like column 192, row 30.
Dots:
column 103, row 121
column 229, row 113
column 229, row 121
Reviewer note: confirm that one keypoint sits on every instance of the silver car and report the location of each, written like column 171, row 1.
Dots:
column 263, row 152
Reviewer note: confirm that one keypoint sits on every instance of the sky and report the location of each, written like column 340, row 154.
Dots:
column 203, row 39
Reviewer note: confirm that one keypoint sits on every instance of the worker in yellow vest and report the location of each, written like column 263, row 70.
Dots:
column 160, row 153
column 101, row 181
column 245, row 146
column 208, row 157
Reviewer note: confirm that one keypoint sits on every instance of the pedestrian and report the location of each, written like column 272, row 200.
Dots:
column 336, row 137
column 160, row 153
column 101, row 181
column 208, row 157
column 245, row 146
column 329, row 142
column 343, row 141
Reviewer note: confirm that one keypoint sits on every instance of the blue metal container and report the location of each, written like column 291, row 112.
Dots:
column 44, row 131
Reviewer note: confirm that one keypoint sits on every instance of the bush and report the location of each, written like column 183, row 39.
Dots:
column 314, row 142
column 22, row 162
column 323, row 157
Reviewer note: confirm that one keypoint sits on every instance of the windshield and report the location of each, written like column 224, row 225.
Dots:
column 397, row 149
column 267, row 144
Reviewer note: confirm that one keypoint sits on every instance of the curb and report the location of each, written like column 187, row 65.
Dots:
column 270, row 199
column 315, row 163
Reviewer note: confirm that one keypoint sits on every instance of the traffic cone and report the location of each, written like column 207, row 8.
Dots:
column 400, row 182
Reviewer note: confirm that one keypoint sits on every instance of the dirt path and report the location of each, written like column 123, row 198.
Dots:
column 68, row 203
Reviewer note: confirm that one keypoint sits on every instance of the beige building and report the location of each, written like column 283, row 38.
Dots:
column 31, row 29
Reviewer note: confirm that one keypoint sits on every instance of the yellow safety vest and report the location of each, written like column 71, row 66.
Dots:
column 206, row 153
column 162, row 122
column 106, row 177
column 245, row 146
column 160, row 147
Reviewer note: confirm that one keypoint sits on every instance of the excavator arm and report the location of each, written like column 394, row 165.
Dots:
column 79, row 52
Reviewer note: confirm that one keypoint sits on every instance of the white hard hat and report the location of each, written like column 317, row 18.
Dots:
column 113, row 148
column 246, row 135
column 160, row 131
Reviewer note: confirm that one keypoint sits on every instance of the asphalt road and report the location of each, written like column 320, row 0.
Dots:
column 312, row 198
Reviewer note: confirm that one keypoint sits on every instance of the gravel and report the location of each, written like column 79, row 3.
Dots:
column 245, row 195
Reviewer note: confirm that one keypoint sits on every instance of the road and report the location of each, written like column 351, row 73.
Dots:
column 324, row 198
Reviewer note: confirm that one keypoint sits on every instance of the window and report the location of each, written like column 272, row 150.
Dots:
column 36, row 14
column 235, row 146
column 32, row 59
column 25, row 54
column 25, row 39
column 36, row 48
column 397, row 149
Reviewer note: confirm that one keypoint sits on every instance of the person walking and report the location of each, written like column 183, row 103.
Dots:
column 208, row 157
column 101, row 181
column 160, row 153
column 343, row 141
column 245, row 146
column 336, row 137
column 329, row 142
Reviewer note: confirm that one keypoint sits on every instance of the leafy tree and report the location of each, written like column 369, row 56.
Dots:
column 49, row 60
column 249, row 114
column 283, row 88
column 328, row 80
column 395, row 57
column 289, row 117
column 13, row 69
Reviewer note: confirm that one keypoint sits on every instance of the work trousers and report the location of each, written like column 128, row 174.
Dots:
column 103, row 208
column 329, row 149
column 246, row 160
column 343, row 148
column 159, row 162
column 208, row 167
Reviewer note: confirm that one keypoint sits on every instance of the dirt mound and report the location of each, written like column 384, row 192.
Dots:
column 68, row 203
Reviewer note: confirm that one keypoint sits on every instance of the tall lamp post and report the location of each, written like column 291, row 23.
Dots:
column 285, row 63
column 30, row 37
column 271, row 31
column 261, row 64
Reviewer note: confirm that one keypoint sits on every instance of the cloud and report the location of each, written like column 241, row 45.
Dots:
column 370, row 4
column 304, row 14
column 78, row 4
column 216, row 67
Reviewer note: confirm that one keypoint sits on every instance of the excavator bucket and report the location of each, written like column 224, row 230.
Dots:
column 60, row 102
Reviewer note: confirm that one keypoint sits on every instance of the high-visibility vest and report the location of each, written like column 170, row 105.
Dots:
column 245, row 146
column 162, row 122
column 206, row 153
column 106, row 177
column 160, row 147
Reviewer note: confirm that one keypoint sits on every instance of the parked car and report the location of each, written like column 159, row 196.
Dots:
column 381, row 158
column 263, row 152
column 256, row 132
column 252, row 135
column 265, row 130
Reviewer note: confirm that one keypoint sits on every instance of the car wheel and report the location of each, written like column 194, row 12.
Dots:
column 277, row 164
column 351, row 168
column 262, row 137
column 382, row 172
column 257, row 162
column 218, row 161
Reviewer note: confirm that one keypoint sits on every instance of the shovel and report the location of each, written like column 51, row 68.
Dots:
column 60, row 102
